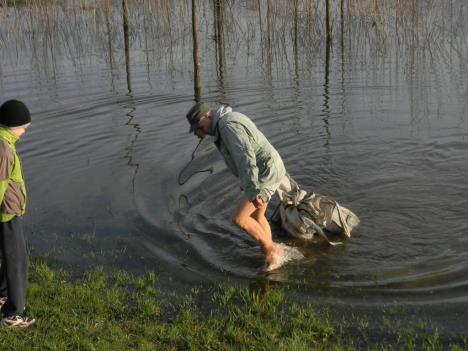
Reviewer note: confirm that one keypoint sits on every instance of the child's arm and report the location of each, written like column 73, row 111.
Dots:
column 6, row 163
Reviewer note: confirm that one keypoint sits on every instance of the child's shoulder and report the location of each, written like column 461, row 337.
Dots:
column 5, row 149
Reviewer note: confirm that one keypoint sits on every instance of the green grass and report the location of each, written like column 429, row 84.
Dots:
column 122, row 312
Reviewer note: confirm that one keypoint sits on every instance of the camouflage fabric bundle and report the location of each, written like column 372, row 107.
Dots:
column 304, row 214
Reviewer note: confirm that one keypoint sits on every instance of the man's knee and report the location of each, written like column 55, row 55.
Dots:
column 239, row 220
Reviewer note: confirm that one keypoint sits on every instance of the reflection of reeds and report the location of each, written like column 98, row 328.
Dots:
column 45, row 30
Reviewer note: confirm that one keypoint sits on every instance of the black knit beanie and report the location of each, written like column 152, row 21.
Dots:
column 13, row 114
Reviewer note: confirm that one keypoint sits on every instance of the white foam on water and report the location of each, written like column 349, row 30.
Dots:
column 289, row 254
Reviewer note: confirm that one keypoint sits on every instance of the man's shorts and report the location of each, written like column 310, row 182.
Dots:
column 268, row 192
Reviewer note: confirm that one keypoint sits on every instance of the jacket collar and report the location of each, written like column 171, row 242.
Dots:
column 219, row 113
column 7, row 135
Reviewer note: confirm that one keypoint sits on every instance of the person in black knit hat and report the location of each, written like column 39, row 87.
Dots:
column 14, row 119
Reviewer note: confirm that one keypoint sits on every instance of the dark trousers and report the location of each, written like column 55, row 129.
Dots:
column 14, row 267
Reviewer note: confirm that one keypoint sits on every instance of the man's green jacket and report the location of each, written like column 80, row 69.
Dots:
column 247, row 152
column 12, row 187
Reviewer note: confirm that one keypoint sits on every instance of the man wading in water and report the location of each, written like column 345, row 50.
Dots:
column 252, row 159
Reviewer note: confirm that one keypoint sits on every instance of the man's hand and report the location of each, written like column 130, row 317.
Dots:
column 258, row 202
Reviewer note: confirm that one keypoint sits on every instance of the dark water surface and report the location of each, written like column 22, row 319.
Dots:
column 380, row 123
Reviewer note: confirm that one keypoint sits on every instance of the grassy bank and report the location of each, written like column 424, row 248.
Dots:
column 120, row 312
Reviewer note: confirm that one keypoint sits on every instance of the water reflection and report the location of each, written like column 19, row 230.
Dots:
column 196, row 51
column 219, row 6
column 130, row 107
column 326, row 85
column 110, row 42
column 126, row 44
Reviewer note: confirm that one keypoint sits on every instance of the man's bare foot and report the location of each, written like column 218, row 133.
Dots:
column 274, row 258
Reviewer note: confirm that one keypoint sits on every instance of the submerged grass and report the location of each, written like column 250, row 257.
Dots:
column 122, row 312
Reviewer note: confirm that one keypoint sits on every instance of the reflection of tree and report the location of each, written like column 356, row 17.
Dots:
column 131, row 106
column 295, row 42
column 130, row 147
column 269, row 15
column 297, row 78
column 326, row 85
column 108, row 13
column 265, row 46
column 328, row 20
column 126, row 43
column 343, row 101
column 219, row 38
column 196, row 50
column 145, row 28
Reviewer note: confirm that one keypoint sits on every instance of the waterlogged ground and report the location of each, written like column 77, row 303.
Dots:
column 378, row 121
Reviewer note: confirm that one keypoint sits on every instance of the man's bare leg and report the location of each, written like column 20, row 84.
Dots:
column 274, row 256
column 253, row 221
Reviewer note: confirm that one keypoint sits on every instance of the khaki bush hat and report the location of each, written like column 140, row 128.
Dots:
column 196, row 113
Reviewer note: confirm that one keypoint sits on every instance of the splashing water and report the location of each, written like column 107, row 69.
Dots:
column 289, row 254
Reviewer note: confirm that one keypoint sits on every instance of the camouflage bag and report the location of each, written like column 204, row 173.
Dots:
column 303, row 214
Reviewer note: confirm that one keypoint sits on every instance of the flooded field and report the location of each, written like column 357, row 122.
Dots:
column 373, row 113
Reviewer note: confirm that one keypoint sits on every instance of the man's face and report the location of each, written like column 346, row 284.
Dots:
column 204, row 127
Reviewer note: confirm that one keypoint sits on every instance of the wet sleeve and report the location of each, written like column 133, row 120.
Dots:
column 243, row 155
column 6, row 162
